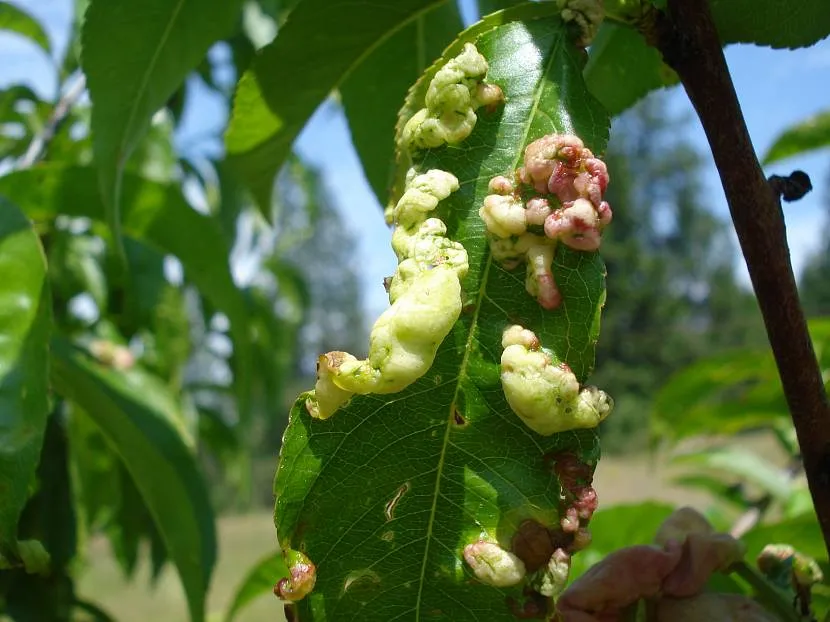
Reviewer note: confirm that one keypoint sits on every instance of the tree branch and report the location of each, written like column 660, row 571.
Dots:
column 689, row 42
column 53, row 123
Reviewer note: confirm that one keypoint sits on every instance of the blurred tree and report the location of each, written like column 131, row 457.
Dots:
column 814, row 286
column 672, row 292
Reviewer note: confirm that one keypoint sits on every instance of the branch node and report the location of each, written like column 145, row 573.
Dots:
column 792, row 187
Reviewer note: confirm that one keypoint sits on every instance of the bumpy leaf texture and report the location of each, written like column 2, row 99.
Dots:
column 384, row 495
column 25, row 324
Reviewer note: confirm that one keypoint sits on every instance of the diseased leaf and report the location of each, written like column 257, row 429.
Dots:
column 259, row 580
column 776, row 23
column 157, row 458
column 443, row 462
column 135, row 55
column 317, row 48
column 25, row 325
column 622, row 68
column 17, row 20
column 811, row 134
column 153, row 213
column 385, row 76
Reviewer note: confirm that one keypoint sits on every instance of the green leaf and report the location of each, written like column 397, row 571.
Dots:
column 485, row 7
column 25, row 324
column 94, row 468
column 75, row 266
column 157, row 458
column 617, row 527
column 741, row 466
column 776, row 23
column 622, row 68
column 154, row 213
column 808, row 135
column 429, row 469
column 720, row 395
column 715, row 485
column 384, row 77
column 259, row 580
column 729, row 392
column 17, row 20
column 319, row 46
column 802, row 532
column 135, row 56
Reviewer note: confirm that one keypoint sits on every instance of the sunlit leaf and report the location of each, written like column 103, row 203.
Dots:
column 135, row 55
column 428, row 470
column 385, row 76
column 15, row 19
column 808, row 135
column 622, row 68
column 157, row 458
column 260, row 580
column 25, row 326
column 776, row 23
column 318, row 47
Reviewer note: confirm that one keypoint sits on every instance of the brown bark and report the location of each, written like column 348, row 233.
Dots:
column 688, row 40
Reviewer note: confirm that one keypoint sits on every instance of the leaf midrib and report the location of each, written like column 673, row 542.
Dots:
column 468, row 346
column 145, row 80
column 414, row 17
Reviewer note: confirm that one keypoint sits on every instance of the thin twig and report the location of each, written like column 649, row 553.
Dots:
column 688, row 40
column 62, row 109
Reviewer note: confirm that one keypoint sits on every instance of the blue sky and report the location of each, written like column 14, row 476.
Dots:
column 776, row 89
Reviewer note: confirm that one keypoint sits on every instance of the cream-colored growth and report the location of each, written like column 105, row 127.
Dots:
column 553, row 578
column 494, row 566
column 328, row 397
column 504, row 216
column 453, row 94
column 406, row 336
column 546, row 397
column 425, row 293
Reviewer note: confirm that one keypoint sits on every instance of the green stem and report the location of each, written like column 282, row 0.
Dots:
column 771, row 596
